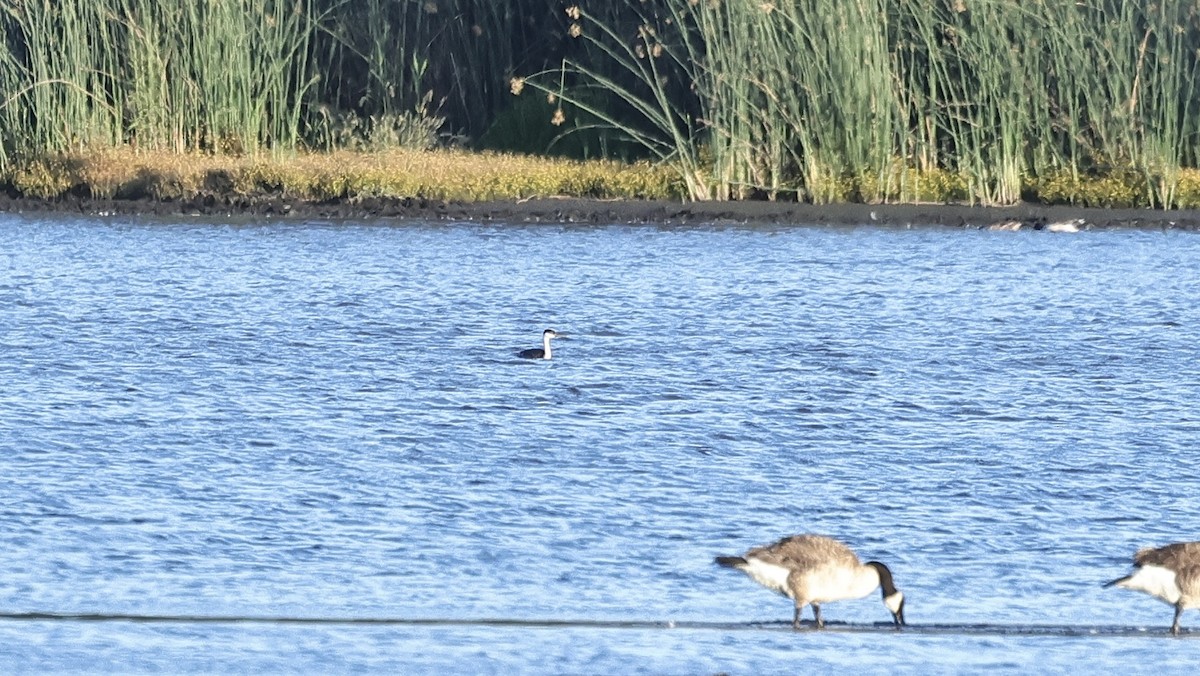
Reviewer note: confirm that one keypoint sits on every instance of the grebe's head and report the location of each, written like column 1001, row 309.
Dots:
column 550, row 333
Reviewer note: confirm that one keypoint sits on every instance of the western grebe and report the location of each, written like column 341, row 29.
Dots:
column 544, row 351
column 814, row 569
column 1170, row 573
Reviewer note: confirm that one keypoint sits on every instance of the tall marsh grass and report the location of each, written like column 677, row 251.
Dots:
column 987, row 101
column 650, row 69
column 873, row 99
column 184, row 75
column 250, row 75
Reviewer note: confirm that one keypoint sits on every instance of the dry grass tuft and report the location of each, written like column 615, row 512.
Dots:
column 455, row 175
column 438, row 175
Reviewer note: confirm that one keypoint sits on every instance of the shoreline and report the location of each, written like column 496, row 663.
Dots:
column 596, row 211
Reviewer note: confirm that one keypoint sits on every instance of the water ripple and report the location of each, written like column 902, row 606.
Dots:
column 315, row 420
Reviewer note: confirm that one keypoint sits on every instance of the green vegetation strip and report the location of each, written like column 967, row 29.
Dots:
column 977, row 101
column 478, row 177
column 437, row 175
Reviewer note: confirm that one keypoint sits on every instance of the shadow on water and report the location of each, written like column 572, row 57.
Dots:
column 1051, row 630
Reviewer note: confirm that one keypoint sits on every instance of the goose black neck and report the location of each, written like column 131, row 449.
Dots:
column 886, row 584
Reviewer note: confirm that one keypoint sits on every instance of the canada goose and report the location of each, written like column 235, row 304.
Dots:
column 544, row 351
column 1071, row 225
column 1170, row 573
column 1010, row 225
column 814, row 569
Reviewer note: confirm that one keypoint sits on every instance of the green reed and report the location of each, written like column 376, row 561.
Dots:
column 51, row 76
column 379, row 48
column 236, row 71
column 647, row 59
column 868, row 98
column 225, row 75
column 391, row 56
column 1168, row 106
column 980, row 100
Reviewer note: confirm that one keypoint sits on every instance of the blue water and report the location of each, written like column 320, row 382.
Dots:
column 326, row 421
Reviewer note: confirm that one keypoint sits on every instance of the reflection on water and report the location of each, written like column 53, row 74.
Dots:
column 330, row 421
column 1052, row 630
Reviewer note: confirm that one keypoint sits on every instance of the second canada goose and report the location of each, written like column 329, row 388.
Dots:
column 1011, row 225
column 1070, row 225
column 1170, row 573
column 544, row 351
column 814, row 569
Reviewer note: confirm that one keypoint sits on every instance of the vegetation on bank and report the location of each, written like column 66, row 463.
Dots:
column 984, row 101
column 470, row 176
column 399, row 174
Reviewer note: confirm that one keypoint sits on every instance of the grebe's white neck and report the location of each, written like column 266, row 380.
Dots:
column 546, row 336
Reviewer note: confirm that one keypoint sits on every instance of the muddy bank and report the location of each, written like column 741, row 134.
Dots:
column 555, row 210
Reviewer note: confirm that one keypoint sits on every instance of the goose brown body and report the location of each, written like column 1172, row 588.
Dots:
column 1170, row 573
column 815, row 569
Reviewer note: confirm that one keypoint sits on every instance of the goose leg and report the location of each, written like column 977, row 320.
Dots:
column 796, row 616
column 817, row 613
column 1175, row 625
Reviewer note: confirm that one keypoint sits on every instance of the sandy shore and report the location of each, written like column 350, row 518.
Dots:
column 623, row 211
